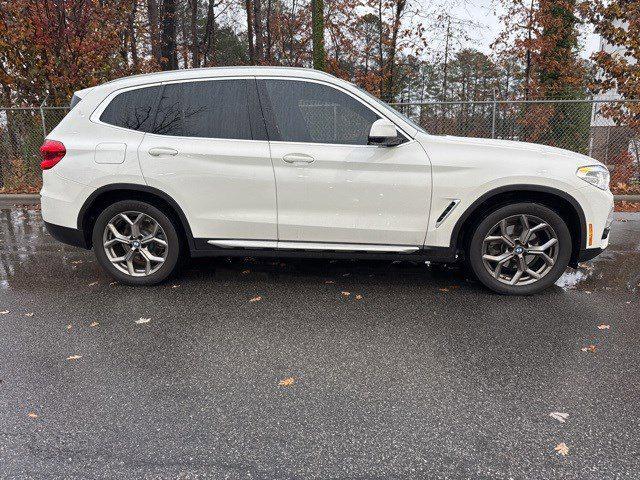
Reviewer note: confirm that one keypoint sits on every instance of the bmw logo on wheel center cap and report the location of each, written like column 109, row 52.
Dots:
column 519, row 250
column 136, row 244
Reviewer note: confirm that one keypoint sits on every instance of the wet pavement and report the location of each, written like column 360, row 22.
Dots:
column 399, row 370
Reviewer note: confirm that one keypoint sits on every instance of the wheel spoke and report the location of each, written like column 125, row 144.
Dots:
column 543, row 248
column 124, row 258
column 547, row 259
column 135, row 226
column 150, row 256
column 130, row 266
column 498, row 258
column 516, row 277
column 526, row 230
column 535, row 275
column 126, row 218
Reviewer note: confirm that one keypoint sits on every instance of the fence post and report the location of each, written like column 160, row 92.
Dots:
column 493, row 116
column 44, row 123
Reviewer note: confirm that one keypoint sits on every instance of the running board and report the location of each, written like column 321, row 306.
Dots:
column 339, row 247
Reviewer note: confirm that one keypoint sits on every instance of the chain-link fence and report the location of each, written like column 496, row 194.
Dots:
column 22, row 131
column 606, row 130
column 584, row 126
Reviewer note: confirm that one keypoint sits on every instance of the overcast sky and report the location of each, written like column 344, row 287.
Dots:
column 487, row 13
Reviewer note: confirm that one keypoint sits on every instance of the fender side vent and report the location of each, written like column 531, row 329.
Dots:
column 446, row 212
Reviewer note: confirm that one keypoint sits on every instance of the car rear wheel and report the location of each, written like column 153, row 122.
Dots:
column 136, row 243
column 520, row 249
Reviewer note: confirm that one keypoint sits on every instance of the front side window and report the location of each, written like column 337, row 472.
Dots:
column 209, row 109
column 132, row 109
column 315, row 113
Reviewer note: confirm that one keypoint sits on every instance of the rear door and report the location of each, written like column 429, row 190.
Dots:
column 332, row 186
column 208, row 150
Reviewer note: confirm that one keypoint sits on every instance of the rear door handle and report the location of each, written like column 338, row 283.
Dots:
column 162, row 151
column 298, row 158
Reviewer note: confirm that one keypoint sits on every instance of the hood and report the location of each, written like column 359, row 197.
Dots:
column 543, row 150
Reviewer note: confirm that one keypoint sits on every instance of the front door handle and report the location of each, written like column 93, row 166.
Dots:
column 298, row 158
column 162, row 151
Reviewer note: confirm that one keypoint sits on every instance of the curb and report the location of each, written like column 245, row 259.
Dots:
column 19, row 198
column 627, row 198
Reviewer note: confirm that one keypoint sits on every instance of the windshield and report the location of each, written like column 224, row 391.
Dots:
column 392, row 110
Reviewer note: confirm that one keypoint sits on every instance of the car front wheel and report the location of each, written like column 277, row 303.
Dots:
column 136, row 243
column 520, row 249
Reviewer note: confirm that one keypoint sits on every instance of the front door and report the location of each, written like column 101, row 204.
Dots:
column 208, row 150
column 332, row 186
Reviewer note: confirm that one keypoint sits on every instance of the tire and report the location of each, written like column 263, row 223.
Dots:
column 125, row 240
column 496, row 258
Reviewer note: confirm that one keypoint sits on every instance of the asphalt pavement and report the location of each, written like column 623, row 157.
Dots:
column 310, row 369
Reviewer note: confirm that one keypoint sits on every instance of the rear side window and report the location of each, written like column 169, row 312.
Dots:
column 208, row 109
column 132, row 109
column 74, row 101
column 315, row 113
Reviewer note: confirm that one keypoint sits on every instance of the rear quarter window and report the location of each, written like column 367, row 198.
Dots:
column 132, row 109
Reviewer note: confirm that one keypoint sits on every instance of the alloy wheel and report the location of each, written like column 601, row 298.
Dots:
column 520, row 250
column 135, row 243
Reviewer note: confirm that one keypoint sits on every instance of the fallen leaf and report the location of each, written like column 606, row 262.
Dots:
column 30, row 314
column 4, row 312
column 562, row 449
column 32, row 415
column 69, row 327
column 74, row 357
column 175, row 286
column 443, row 289
column 358, row 297
column 590, row 348
column 329, row 282
column 286, row 382
column 559, row 416
column 604, row 327
column 257, row 298
column 113, row 283
column 246, row 272
column 94, row 324
column 93, row 284
column 143, row 320
column 345, row 294
column 76, row 262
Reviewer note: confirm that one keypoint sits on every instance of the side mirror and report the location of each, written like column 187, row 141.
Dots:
column 384, row 133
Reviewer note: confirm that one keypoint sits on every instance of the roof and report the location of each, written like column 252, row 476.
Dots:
column 208, row 72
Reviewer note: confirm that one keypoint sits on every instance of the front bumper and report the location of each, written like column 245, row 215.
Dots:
column 70, row 236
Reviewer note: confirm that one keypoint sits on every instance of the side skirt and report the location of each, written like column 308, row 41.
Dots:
column 436, row 254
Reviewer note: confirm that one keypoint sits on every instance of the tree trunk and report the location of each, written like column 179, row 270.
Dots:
column 257, row 27
column 383, row 69
column 390, row 83
column 268, row 44
column 152, row 12
column 209, row 37
column 193, row 27
column 168, row 50
column 132, row 35
column 317, row 34
column 252, row 48
column 445, row 67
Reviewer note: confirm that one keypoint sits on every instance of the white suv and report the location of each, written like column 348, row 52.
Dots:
column 295, row 162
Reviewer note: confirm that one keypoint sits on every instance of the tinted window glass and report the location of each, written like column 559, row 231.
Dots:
column 132, row 109
column 210, row 109
column 311, row 112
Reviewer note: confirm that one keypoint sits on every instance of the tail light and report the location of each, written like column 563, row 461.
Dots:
column 52, row 152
